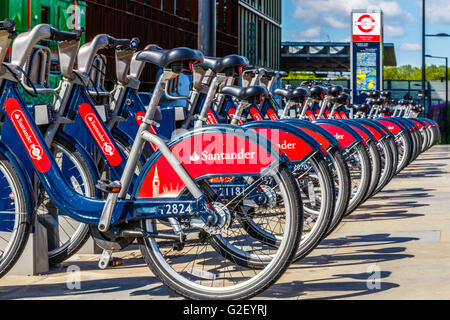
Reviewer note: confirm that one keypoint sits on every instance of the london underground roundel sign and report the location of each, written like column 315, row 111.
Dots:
column 366, row 27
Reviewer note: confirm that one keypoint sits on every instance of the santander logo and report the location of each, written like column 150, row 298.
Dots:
column 108, row 148
column 34, row 149
column 339, row 136
column 211, row 118
column 390, row 127
column 286, row 145
column 194, row 157
column 206, row 156
column 91, row 119
column 99, row 133
column 27, row 135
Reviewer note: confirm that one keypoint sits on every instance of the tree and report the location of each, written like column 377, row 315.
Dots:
column 408, row 72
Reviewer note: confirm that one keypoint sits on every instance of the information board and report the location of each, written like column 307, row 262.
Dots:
column 366, row 53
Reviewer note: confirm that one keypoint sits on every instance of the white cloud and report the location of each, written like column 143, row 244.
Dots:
column 437, row 11
column 394, row 31
column 410, row 47
column 311, row 32
column 336, row 13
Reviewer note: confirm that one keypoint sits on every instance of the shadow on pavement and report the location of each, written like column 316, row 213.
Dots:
column 89, row 288
column 345, row 284
column 347, row 289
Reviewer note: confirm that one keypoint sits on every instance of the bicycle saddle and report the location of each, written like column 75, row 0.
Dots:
column 318, row 92
column 417, row 109
column 166, row 58
column 302, row 92
column 219, row 65
column 375, row 94
column 344, row 98
column 386, row 93
column 364, row 107
column 245, row 93
column 335, row 91
column 297, row 94
column 285, row 93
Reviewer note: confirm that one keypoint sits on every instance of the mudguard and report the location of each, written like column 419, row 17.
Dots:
column 208, row 152
column 342, row 132
column 365, row 133
column 326, row 139
column 407, row 122
column 391, row 125
column 378, row 131
column 419, row 124
column 295, row 143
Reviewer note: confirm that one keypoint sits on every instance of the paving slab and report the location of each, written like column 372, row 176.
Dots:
column 395, row 246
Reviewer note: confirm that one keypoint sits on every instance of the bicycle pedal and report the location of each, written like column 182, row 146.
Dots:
column 109, row 186
column 115, row 262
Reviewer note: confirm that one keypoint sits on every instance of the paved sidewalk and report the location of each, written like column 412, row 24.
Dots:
column 396, row 246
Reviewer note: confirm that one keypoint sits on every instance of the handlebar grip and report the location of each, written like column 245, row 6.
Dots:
column 58, row 35
column 123, row 44
column 134, row 43
column 7, row 24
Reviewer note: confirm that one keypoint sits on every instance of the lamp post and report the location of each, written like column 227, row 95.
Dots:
column 207, row 27
column 423, row 51
column 446, row 93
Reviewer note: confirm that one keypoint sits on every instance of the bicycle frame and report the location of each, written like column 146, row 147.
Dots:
column 116, row 208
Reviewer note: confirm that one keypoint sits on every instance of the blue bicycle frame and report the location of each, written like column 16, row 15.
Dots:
column 85, row 209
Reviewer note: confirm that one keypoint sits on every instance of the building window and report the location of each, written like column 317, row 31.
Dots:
column 187, row 9
column 45, row 15
column 45, row 18
column 224, row 15
column 260, row 42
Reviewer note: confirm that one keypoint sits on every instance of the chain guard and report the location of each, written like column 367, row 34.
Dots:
column 108, row 242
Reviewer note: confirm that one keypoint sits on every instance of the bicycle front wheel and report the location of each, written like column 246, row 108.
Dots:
column 14, row 227
column 229, row 263
column 69, row 235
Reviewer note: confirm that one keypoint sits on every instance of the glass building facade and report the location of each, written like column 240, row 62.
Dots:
column 260, row 32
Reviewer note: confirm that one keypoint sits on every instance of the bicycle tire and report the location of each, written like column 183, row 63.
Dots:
column 188, row 285
column 19, row 233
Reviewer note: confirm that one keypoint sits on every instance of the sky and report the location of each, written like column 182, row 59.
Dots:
column 329, row 20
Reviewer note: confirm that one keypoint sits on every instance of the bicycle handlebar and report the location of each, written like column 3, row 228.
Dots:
column 123, row 44
column 58, row 35
column 7, row 24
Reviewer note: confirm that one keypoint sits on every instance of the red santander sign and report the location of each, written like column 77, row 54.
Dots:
column 366, row 27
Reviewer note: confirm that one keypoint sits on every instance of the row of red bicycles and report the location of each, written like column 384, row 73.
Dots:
column 222, row 186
